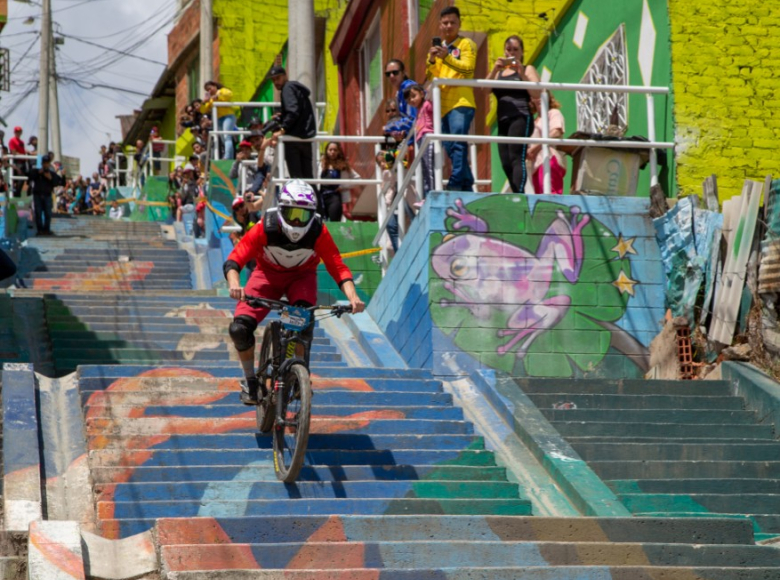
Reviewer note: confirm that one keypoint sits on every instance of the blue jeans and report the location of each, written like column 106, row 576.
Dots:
column 228, row 123
column 457, row 122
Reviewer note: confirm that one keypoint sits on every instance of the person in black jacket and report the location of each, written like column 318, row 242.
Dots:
column 297, row 119
column 43, row 181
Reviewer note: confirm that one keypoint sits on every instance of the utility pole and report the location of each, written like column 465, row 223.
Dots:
column 54, row 103
column 301, row 56
column 43, row 86
column 206, row 41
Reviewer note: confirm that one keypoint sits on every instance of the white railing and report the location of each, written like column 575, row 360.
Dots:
column 148, row 160
column 267, row 111
column 437, row 137
column 11, row 175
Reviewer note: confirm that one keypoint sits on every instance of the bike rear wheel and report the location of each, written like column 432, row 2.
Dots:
column 292, row 435
column 269, row 353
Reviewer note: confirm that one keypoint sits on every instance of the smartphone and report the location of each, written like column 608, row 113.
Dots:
column 509, row 61
column 436, row 41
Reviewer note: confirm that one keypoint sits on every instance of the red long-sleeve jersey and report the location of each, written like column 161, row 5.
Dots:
column 267, row 244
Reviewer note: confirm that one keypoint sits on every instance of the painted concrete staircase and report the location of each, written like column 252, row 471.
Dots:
column 671, row 448
column 97, row 255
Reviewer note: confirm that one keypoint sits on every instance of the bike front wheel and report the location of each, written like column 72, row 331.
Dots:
column 291, row 435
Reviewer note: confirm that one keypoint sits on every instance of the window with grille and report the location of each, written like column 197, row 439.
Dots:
column 597, row 111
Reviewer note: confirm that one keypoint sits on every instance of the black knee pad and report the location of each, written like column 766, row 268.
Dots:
column 242, row 331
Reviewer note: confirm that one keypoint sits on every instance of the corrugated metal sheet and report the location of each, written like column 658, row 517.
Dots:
column 769, row 272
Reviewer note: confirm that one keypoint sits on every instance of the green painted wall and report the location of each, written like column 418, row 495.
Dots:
column 568, row 62
column 250, row 39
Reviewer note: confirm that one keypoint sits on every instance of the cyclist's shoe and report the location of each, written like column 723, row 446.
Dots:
column 249, row 388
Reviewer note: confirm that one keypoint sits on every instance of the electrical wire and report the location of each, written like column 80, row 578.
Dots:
column 127, row 54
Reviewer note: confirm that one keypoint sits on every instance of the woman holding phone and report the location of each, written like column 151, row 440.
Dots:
column 514, row 112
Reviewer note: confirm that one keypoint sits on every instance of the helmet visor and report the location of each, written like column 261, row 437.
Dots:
column 297, row 216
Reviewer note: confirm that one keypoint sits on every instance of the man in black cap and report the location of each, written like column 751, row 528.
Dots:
column 43, row 181
column 297, row 119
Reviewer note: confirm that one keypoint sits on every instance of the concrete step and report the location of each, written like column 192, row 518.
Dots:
column 618, row 451
column 624, row 387
column 153, row 353
column 489, row 573
column 152, row 274
column 257, row 443
column 71, row 346
column 130, row 400
column 621, row 402
column 222, row 465
column 415, row 555
column 638, row 470
column 268, row 530
column 440, row 413
column 384, row 506
column 678, row 430
column 270, row 488
column 228, row 370
column 362, row 423
column 728, row 503
column 645, row 416
column 696, row 486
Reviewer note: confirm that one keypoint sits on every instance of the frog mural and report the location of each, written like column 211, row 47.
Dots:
column 534, row 293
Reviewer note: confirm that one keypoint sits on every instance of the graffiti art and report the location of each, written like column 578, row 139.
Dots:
column 534, row 292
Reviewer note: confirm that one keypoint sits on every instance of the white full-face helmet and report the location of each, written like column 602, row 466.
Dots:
column 297, row 207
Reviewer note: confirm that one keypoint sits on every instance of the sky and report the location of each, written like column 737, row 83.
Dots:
column 87, row 113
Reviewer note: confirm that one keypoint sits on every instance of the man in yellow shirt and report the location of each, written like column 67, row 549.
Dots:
column 455, row 57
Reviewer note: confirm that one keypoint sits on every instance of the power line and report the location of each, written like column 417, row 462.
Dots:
column 87, row 86
column 124, row 53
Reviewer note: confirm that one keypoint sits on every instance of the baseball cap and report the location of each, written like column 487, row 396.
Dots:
column 254, row 121
column 189, row 167
column 276, row 71
column 17, row 129
column 245, row 144
column 237, row 202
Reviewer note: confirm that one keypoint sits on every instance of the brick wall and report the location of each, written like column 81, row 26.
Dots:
column 186, row 29
column 727, row 94
column 557, row 286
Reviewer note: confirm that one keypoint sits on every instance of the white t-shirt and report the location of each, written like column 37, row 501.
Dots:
column 116, row 213
column 556, row 122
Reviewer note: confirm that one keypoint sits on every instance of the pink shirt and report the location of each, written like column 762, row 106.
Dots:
column 556, row 122
column 424, row 122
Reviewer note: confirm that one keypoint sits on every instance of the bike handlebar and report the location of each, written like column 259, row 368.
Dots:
column 278, row 305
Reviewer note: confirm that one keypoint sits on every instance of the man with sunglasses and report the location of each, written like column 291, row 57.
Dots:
column 287, row 246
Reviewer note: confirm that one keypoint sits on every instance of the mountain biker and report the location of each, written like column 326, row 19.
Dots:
column 287, row 245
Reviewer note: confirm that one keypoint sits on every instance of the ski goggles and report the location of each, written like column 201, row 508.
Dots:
column 301, row 215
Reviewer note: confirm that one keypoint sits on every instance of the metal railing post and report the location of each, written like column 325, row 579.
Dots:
column 545, row 113
column 381, row 213
column 651, row 138
column 473, row 161
column 280, row 151
column 437, row 145
column 215, row 127
column 401, row 209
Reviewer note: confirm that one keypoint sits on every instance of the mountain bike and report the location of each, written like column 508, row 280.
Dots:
column 284, row 403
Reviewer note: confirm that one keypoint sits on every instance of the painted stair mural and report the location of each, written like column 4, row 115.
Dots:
column 671, row 448
column 148, row 434
column 95, row 254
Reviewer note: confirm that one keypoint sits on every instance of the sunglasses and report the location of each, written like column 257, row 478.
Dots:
column 391, row 110
column 392, row 73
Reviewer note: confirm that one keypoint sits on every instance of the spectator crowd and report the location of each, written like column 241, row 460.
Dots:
column 409, row 117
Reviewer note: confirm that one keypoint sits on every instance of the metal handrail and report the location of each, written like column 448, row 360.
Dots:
column 544, row 87
column 263, row 105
